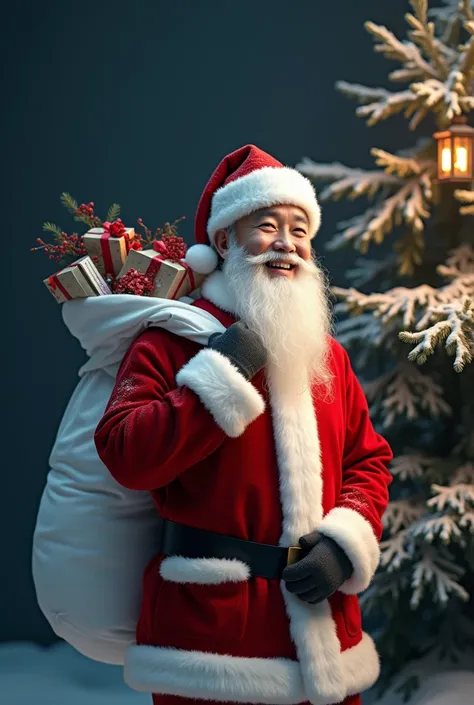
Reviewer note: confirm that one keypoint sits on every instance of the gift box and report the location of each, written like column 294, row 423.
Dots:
column 77, row 281
column 108, row 251
column 172, row 279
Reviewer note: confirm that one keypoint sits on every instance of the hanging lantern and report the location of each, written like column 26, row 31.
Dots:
column 455, row 151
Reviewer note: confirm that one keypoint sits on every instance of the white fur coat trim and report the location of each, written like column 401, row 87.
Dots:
column 204, row 571
column 231, row 399
column 208, row 676
column 356, row 537
column 262, row 188
column 312, row 627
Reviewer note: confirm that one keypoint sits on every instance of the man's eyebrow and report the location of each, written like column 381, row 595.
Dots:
column 302, row 219
column 266, row 214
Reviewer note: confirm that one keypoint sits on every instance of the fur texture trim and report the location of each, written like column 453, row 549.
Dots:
column 204, row 571
column 202, row 259
column 231, row 399
column 356, row 537
column 269, row 186
column 312, row 627
column 215, row 290
column 299, row 462
column 208, row 676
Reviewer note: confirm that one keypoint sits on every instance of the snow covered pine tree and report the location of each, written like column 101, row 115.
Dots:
column 422, row 599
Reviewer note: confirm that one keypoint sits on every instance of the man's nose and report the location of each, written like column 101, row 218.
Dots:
column 284, row 243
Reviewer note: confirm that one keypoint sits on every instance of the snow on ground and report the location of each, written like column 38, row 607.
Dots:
column 59, row 675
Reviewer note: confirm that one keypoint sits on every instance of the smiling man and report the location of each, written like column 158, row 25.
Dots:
column 262, row 460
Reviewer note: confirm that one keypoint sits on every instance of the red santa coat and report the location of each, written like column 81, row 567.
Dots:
column 243, row 459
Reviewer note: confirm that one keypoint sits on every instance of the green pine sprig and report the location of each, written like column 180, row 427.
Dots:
column 113, row 213
column 69, row 202
column 52, row 228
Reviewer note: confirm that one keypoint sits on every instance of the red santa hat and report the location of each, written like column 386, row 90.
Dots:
column 245, row 181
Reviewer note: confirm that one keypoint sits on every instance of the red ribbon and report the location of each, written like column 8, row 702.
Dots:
column 54, row 283
column 105, row 249
column 154, row 267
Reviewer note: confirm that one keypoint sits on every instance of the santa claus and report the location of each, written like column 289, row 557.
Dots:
column 262, row 460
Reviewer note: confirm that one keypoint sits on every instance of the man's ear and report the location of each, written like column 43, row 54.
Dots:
column 221, row 242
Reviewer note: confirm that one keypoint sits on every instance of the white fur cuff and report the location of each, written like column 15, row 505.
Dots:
column 231, row 399
column 204, row 571
column 356, row 537
column 237, row 679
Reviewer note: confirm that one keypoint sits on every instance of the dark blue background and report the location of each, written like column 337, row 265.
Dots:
column 136, row 102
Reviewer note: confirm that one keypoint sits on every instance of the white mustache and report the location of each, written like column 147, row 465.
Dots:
column 283, row 258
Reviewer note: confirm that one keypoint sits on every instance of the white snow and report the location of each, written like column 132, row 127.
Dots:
column 59, row 675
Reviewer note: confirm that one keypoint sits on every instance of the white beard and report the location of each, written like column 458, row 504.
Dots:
column 291, row 316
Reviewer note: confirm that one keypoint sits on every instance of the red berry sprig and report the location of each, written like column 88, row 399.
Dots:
column 85, row 213
column 169, row 230
column 66, row 245
column 86, row 209
column 134, row 282
column 171, row 246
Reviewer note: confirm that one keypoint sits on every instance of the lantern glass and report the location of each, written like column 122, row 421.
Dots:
column 462, row 157
column 444, row 158
column 455, row 161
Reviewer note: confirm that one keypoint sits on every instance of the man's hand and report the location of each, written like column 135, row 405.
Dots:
column 321, row 572
column 242, row 347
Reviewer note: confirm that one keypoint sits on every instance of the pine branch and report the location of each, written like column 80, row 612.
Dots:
column 410, row 248
column 423, row 34
column 394, row 164
column 346, row 181
column 466, row 10
column 454, row 331
column 438, row 570
column 440, row 526
column 405, row 52
column 113, row 213
column 465, row 197
column 52, row 228
column 69, row 202
column 391, row 104
column 400, row 514
column 393, row 552
column 407, row 205
column 410, row 391
column 410, row 467
column 367, row 270
column 458, row 497
column 363, row 94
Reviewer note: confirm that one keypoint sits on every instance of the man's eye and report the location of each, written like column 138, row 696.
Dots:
column 300, row 231
column 267, row 225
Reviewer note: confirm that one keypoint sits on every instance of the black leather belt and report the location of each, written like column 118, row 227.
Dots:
column 264, row 560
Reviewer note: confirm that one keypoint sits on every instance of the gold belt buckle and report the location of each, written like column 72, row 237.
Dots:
column 294, row 555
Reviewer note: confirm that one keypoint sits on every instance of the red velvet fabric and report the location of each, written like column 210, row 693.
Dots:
column 160, row 438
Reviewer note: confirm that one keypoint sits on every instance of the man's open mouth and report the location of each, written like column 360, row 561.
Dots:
column 280, row 265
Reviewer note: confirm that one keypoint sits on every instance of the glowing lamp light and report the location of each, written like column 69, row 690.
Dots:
column 455, row 151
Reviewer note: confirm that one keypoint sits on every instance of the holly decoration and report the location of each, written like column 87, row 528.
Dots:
column 68, row 247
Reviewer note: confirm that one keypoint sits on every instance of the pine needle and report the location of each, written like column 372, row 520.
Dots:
column 52, row 228
column 113, row 213
column 69, row 202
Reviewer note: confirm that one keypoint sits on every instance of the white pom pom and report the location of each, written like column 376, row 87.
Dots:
column 202, row 259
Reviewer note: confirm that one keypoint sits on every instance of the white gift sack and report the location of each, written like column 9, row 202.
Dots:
column 93, row 538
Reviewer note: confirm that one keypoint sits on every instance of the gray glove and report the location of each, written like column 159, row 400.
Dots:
column 321, row 572
column 242, row 347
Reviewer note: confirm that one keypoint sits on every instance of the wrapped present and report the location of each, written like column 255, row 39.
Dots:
column 77, row 281
column 108, row 250
column 172, row 279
